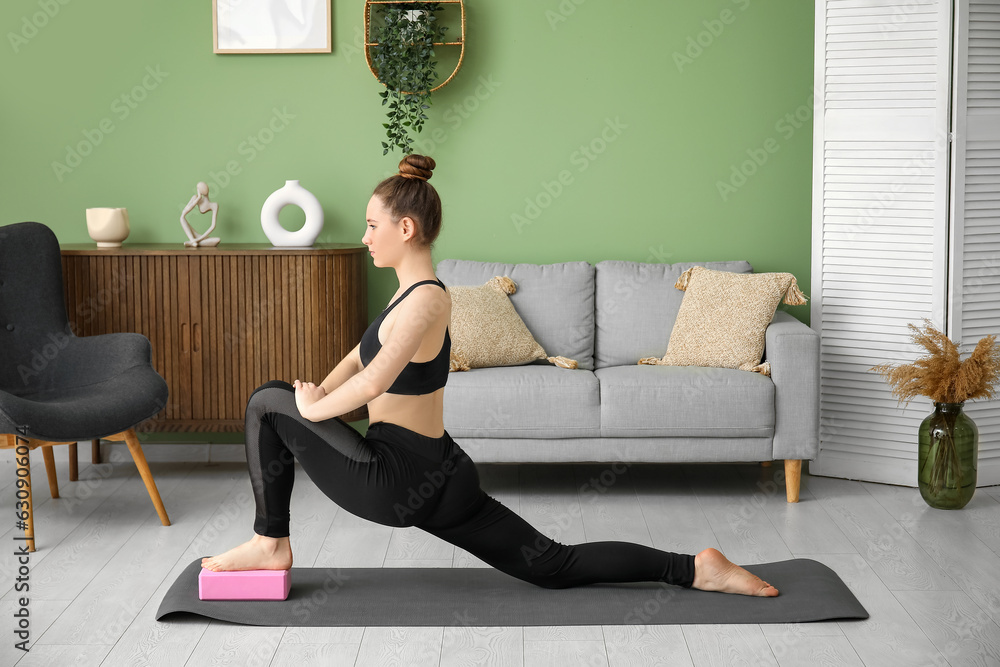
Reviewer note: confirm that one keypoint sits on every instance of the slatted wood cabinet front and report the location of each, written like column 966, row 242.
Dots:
column 222, row 321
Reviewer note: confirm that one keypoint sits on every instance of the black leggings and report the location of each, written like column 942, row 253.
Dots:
column 397, row 477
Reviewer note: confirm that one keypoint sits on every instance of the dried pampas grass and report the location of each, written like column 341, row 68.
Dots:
column 941, row 375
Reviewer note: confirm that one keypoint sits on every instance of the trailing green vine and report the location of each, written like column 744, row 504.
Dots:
column 404, row 61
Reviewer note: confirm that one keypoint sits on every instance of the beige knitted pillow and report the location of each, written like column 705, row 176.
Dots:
column 723, row 316
column 486, row 330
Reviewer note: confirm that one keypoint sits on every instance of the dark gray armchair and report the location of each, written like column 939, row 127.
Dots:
column 55, row 387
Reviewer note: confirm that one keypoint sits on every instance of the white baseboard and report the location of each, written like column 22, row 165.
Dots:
column 170, row 452
column 890, row 471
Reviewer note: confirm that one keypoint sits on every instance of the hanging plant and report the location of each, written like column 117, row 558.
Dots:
column 404, row 60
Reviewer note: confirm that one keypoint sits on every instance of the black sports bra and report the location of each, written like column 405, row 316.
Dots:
column 417, row 377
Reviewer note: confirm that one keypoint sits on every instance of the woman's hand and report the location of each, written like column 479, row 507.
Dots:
column 306, row 393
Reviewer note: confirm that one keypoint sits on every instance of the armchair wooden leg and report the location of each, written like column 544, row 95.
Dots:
column 95, row 451
column 74, row 469
column 135, row 449
column 50, row 470
column 22, row 455
column 793, row 479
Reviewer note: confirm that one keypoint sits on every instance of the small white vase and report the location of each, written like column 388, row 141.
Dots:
column 107, row 226
column 291, row 193
column 414, row 15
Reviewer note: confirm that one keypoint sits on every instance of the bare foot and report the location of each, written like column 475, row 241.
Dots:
column 260, row 553
column 715, row 572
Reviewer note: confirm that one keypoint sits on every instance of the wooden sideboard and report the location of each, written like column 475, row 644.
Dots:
column 224, row 320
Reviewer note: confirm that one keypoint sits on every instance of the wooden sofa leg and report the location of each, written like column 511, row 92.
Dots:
column 95, row 451
column 793, row 478
column 22, row 455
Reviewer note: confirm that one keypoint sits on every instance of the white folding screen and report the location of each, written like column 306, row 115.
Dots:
column 974, row 304
column 880, row 202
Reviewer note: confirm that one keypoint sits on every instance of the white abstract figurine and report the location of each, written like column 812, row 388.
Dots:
column 204, row 205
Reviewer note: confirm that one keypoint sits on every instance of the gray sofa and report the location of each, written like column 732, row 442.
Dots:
column 607, row 316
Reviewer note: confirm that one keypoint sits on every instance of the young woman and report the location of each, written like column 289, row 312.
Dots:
column 407, row 470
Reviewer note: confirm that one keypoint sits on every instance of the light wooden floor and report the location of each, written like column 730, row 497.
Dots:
column 930, row 579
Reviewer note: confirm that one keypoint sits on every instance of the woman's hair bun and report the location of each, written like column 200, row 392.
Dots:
column 415, row 166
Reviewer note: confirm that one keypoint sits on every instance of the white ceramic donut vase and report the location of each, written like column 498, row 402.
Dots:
column 292, row 193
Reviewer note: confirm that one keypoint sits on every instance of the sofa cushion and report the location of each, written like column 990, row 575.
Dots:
column 486, row 330
column 556, row 301
column 723, row 316
column 636, row 305
column 531, row 401
column 685, row 401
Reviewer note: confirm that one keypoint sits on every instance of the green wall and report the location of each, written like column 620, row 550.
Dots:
column 645, row 110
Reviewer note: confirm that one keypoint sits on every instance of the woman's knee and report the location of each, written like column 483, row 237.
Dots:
column 270, row 384
column 279, row 384
column 546, row 561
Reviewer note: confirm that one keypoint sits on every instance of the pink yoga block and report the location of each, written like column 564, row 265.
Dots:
column 244, row 585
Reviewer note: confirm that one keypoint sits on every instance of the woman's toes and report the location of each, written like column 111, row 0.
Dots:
column 767, row 590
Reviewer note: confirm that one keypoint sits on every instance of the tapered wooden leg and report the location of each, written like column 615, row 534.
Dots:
column 793, row 478
column 95, row 450
column 73, row 463
column 765, row 464
column 50, row 470
column 135, row 449
column 22, row 455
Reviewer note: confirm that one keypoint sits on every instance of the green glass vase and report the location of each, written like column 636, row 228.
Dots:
column 948, row 457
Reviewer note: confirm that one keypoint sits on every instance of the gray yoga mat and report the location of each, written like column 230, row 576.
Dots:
column 477, row 597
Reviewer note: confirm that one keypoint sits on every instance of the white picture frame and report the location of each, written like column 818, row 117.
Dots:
column 271, row 26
